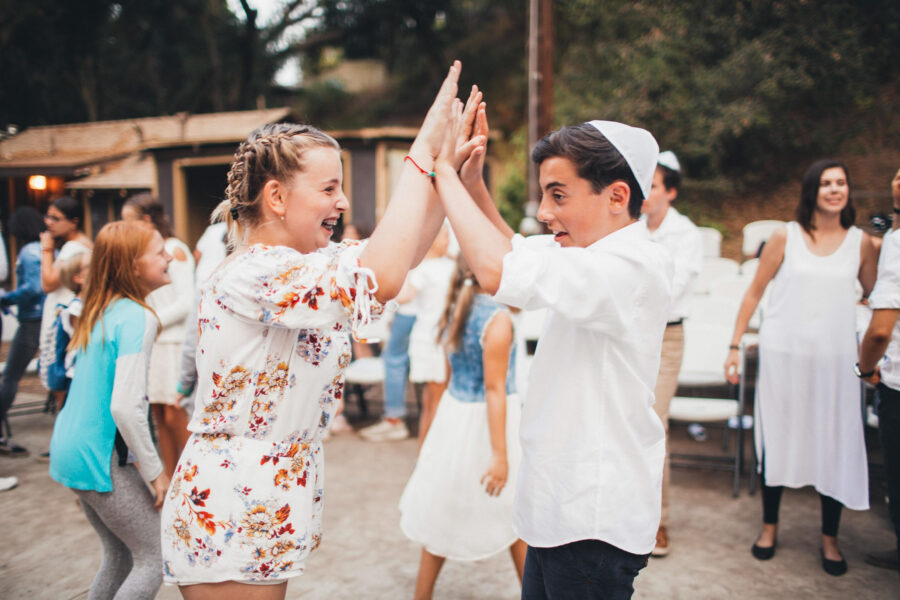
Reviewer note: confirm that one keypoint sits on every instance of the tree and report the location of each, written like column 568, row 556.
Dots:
column 103, row 59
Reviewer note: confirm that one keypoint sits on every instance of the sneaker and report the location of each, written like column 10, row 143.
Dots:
column 10, row 448
column 8, row 483
column 662, row 543
column 386, row 430
column 340, row 425
column 886, row 560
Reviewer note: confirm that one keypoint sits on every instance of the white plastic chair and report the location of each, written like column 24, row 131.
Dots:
column 707, row 335
column 714, row 269
column 712, row 242
column 748, row 268
column 757, row 232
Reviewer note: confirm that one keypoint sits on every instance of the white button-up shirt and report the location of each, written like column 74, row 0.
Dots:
column 592, row 446
column 682, row 239
column 886, row 294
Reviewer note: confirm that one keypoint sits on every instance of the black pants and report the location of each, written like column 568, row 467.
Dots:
column 22, row 349
column 584, row 570
column 889, row 433
column 771, row 499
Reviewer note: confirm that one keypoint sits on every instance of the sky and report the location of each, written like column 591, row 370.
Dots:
column 290, row 75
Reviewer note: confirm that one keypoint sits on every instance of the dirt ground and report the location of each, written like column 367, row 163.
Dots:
column 50, row 551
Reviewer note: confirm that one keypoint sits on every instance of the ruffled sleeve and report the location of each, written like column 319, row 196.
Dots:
column 281, row 287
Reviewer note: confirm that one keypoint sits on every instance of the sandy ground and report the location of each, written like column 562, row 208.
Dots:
column 50, row 551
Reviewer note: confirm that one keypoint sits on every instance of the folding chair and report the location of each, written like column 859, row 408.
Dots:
column 713, row 269
column 706, row 339
column 712, row 242
column 756, row 233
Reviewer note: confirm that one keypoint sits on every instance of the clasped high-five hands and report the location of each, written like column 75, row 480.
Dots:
column 454, row 133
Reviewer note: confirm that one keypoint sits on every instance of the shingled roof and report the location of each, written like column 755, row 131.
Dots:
column 63, row 149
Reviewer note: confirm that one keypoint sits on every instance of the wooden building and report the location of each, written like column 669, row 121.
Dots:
column 183, row 159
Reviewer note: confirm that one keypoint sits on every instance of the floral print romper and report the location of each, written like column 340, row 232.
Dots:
column 245, row 503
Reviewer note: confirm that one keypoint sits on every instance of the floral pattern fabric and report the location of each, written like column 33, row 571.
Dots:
column 246, row 499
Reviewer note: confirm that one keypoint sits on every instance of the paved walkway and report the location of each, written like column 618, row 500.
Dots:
column 48, row 550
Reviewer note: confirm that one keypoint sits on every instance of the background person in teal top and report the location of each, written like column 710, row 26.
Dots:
column 103, row 425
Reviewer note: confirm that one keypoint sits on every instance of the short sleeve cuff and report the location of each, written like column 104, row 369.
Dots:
column 521, row 271
column 355, row 287
column 885, row 295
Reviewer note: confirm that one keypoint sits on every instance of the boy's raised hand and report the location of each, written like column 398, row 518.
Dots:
column 473, row 167
column 431, row 135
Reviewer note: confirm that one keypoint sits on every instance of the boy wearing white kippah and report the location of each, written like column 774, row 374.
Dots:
column 681, row 238
column 588, row 495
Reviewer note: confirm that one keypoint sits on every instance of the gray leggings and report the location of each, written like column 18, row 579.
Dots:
column 128, row 527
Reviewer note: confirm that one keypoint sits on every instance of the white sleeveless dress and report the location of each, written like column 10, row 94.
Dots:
column 808, row 420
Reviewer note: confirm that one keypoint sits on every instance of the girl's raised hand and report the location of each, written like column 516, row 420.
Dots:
column 431, row 134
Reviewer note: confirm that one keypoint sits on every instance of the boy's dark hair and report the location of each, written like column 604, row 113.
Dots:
column 70, row 208
column 26, row 224
column 671, row 178
column 594, row 157
column 809, row 195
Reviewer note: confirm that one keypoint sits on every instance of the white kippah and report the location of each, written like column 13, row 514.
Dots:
column 637, row 146
column 669, row 161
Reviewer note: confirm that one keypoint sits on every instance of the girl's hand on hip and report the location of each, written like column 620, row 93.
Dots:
column 494, row 479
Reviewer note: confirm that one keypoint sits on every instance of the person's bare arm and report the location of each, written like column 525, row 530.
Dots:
column 868, row 264
column 481, row 242
column 49, row 273
column 414, row 215
column 498, row 339
column 769, row 263
column 472, row 172
column 876, row 341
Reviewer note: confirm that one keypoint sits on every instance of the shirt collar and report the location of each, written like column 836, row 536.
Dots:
column 636, row 231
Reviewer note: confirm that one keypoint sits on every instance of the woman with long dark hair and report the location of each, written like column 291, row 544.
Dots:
column 808, row 423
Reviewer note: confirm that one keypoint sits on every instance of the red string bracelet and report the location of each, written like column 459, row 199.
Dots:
column 421, row 170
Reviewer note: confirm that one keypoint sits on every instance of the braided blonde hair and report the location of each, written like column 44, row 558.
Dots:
column 272, row 151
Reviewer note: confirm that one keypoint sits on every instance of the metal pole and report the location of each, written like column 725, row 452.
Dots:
column 532, row 189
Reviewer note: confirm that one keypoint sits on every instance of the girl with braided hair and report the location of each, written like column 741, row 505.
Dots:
column 245, row 504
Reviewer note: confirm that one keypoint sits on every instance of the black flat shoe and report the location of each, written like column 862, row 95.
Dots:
column 833, row 567
column 763, row 552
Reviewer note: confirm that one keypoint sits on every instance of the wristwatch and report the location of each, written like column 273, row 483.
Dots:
column 860, row 374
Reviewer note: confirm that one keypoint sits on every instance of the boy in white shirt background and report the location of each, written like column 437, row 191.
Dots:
column 682, row 239
column 588, row 496
column 882, row 340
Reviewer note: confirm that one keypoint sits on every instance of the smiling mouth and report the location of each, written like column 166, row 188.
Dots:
column 558, row 235
column 329, row 224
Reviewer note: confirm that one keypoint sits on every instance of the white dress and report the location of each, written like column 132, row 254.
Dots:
column 809, row 427
column 444, row 506
column 172, row 304
column 431, row 279
column 246, row 500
